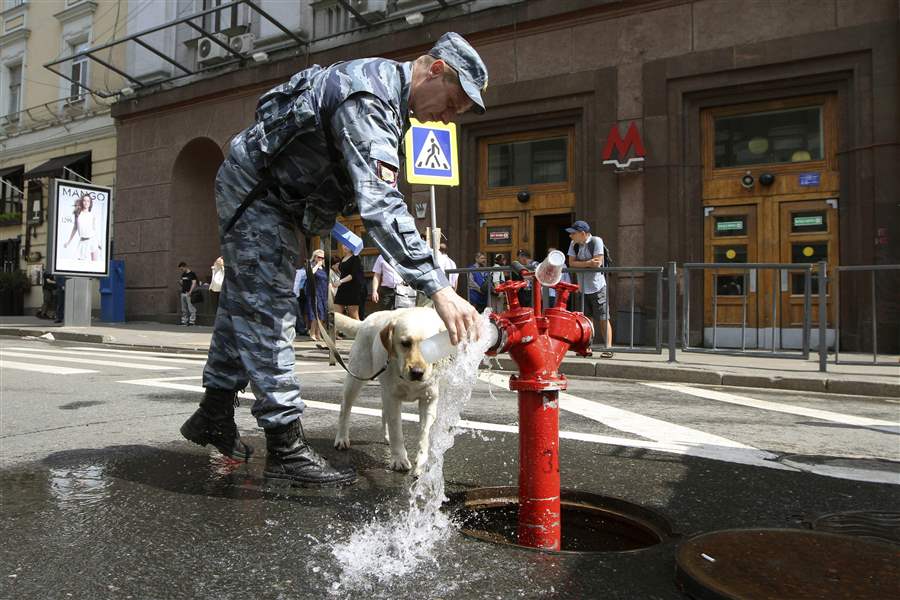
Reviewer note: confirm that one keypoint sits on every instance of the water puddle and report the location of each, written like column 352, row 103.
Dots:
column 411, row 539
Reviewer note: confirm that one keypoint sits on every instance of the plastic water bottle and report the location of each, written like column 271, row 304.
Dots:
column 438, row 346
column 549, row 272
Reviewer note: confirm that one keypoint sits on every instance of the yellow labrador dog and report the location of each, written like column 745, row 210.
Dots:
column 393, row 336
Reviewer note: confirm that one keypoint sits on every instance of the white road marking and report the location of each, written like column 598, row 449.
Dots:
column 137, row 352
column 733, row 453
column 164, row 359
column 88, row 361
column 773, row 406
column 48, row 369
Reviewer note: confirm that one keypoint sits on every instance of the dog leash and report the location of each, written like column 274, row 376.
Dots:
column 331, row 346
column 311, row 284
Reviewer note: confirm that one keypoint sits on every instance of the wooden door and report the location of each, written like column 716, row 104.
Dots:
column 731, row 236
column 499, row 235
column 808, row 234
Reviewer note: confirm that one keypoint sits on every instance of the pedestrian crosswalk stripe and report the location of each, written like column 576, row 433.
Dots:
column 815, row 413
column 48, row 369
column 165, row 359
column 103, row 350
column 88, row 361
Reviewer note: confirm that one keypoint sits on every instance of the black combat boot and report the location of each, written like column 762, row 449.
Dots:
column 291, row 457
column 213, row 423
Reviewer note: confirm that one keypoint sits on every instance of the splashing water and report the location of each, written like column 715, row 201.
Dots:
column 382, row 551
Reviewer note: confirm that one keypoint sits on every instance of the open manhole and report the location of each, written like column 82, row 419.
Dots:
column 590, row 523
column 761, row 564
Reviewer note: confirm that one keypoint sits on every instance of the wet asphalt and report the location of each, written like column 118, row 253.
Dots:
column 111, row 503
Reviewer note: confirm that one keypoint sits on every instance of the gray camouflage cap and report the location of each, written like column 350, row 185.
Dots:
column 456, row 52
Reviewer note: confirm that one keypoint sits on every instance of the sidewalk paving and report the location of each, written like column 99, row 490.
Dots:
column 690, row 367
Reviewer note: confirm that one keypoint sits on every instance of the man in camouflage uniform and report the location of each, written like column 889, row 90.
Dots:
column 325, row 143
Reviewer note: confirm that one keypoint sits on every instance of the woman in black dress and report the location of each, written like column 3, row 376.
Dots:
column 346, row 300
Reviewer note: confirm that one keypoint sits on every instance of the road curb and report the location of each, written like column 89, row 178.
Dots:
column 799, row 384
column 68, row 336
column 865, row 388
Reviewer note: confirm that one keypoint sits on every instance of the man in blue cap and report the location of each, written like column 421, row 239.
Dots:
column 586, row 252
column 325, row 143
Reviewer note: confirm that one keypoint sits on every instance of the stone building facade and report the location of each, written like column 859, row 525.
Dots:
column 801, row 96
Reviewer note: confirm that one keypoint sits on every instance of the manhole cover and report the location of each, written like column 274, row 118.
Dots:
column 870, row 524
column 768, row 564
column 590, row 523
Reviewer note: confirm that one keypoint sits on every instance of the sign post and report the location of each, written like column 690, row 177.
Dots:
column 79, row 242
column 431, row 158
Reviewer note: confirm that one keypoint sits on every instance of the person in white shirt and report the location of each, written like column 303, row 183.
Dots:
column 384, row 284
column 446, row 263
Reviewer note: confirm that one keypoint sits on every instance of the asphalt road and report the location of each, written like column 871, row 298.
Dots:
column 96, row 481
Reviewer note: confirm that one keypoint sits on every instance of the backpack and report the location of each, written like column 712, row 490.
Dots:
column 592, row 246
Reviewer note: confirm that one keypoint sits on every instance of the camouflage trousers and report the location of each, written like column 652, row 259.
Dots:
column 252, row 342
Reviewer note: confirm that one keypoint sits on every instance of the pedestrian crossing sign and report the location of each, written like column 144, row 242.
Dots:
column 431, row 156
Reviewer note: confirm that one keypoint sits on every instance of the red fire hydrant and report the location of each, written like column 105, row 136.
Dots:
column 538, row 343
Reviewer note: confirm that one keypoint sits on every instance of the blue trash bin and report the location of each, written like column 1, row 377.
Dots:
column 112, row 293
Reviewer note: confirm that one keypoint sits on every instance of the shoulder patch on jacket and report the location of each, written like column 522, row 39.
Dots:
column 386, row 172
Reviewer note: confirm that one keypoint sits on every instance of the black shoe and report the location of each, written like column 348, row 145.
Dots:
column 291, row 457
column 213, row 423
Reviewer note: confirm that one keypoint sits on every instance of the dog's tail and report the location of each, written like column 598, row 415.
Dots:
column 346, row 325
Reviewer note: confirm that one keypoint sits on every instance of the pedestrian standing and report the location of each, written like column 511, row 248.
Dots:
column 384, row 284
column 317, row 297
column 60, row 298
column 299, row 290
column 447, row 264
column 216, row 279
column 346, row 299
column 497, row 299
column 586, row 252
column 523, row 269
column 188, row 284
column 478, row 283
column 326, row 142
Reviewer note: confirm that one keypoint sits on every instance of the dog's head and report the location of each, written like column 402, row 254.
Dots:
column 402, row 338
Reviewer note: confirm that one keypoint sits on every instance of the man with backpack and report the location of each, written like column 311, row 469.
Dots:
column 587, row 252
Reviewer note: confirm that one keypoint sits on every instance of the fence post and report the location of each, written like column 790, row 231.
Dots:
column 673, row 308
column 823, row 311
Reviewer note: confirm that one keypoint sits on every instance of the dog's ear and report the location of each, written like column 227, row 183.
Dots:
column 387, row 335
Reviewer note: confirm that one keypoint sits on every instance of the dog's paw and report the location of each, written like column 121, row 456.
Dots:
column 400, row 464
column 342, row 443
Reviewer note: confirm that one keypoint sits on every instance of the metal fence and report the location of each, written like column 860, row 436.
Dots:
column 751, row 272
column 666, row 303
column 873, row 270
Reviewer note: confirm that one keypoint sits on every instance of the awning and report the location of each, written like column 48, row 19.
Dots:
column 7, row 171
column 54, row 166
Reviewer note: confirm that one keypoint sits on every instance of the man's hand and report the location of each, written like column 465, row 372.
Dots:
column 459, row 316
column 375, row 296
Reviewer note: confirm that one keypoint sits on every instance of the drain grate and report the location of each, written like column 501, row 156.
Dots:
column 870, row 524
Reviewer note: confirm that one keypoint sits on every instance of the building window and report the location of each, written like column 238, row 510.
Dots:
column 78, row 74
column 528, row 162
column 11, row 196
column 14, row 94
column 777, row 136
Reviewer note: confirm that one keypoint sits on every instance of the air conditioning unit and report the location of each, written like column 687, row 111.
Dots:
column 209, row 52
column 242, row 44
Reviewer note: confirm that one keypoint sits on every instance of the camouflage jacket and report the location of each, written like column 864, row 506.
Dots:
column 331, row 138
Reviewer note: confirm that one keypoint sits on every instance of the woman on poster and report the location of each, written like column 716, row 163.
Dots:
column 85, row 227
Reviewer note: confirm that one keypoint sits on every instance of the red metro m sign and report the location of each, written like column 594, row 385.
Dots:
column 632, row 141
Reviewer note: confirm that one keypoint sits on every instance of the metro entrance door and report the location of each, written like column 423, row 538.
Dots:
column 748, row 308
